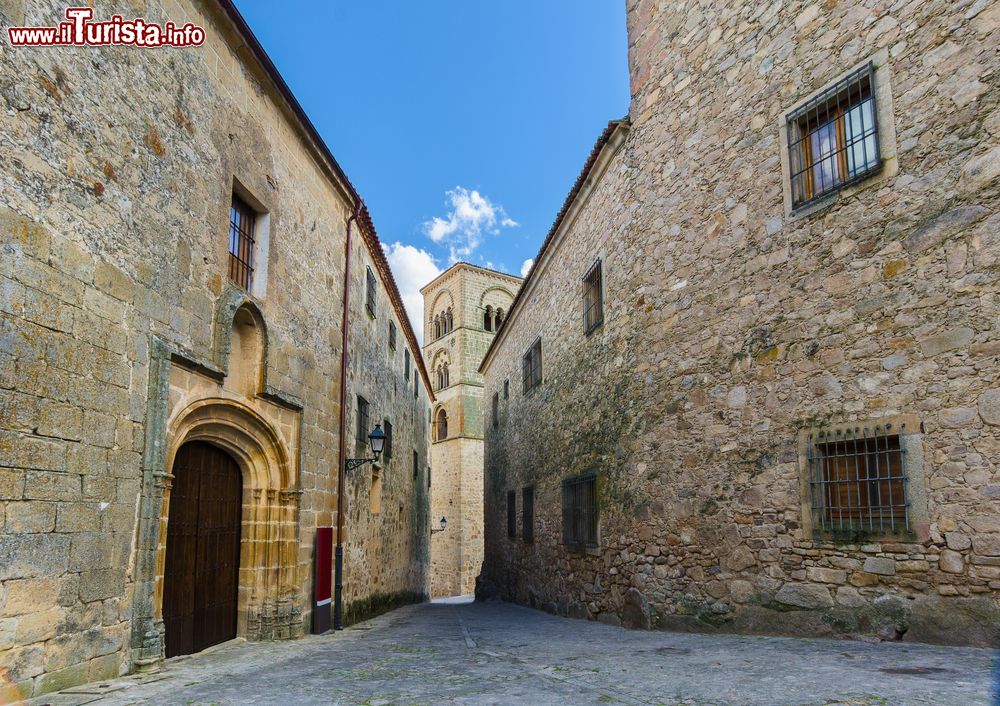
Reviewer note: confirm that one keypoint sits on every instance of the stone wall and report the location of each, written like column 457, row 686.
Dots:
column 457, row 461
column 117, row 170
column 734, row 327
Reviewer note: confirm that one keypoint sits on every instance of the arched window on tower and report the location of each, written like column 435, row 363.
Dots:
column 451, row 321
column 446, row 382
column 441, row 425
column 437, row 327
column 488, row 319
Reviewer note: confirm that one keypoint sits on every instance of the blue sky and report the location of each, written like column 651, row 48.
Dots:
column 462, row 123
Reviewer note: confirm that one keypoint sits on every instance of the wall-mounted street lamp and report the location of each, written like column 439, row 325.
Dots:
column 444, row 523
column 377, row 441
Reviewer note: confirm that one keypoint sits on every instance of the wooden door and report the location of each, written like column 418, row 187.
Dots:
column 201, row 578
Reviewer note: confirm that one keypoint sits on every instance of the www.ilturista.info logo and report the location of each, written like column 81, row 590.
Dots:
column 79, row 31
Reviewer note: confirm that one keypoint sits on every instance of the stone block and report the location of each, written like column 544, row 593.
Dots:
column 31, row 555
column 38, row 627
column 823, row 575
column 29, row 595
column 63, row 678
column 49, row 485
column 880, row 565
column 957, row 541
column 804, row 595
column 741, row 558
column 986, row 544
column 863, row 578
column 947, row 341
column 951, row 562
column 99, row 584
column 989, row 407
column 30, row 516
column 943, row 227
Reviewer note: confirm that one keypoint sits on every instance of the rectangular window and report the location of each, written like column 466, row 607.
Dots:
column 506, row 389
column 528, row 514
column 579, row 511
column 416, row 385
column 593, row 300
column 416, row 465
column 387, row 449
column 242, row 221
column 833, row 139
column 362, row 420
column 532, row 366
column 511, row 513
column 858, row 480
column 370, row 290
column 392, row 336
column 406, row 364
column 496, row 410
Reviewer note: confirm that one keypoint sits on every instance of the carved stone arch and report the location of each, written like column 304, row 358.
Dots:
column 234, row 300
column 496, row 295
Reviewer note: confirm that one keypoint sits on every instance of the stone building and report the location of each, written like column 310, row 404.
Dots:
column 463, row 308
column 754, row 371
column 173, row 239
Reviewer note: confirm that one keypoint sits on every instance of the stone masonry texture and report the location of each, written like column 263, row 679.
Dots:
column 457, row 460
column 734, row 327
column 120, row 334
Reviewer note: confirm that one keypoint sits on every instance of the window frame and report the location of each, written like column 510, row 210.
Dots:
column 406, row 364
column 584, row 503
column 363, row 414
column 593, row 297
column 531, row 366
column 392, row 336
column 241, row 264
column 387, row 447
column 496, row 410
column 370, row 291
column 512, row 514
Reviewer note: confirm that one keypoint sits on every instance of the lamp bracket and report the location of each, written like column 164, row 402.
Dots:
column 352, row 463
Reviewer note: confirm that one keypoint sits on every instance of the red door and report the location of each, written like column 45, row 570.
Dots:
column 201, row 578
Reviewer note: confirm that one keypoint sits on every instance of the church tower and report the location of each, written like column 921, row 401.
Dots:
column 463, row 307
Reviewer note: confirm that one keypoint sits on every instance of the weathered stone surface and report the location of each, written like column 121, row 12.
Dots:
column 848, row 596
column 822, row 575
column 880, row 565
column 958, row 541
column 33, row 555
column 804, row 595
column 943, row 227
column 951, row 561
column 741, row 558
column 989, row 407
column 986, row 544
column 947, row 341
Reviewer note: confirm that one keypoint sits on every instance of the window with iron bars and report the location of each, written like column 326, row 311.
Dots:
column 242, row 221
column 579, row 511
column 858, row 480
column 496, row 410
column 416, row 465
column 362, row 430
column 370, row 298
column 406, row 364
column 511, row 513
column 532, row 366
column 593, row 301
column 833, row 140
column 387, row 447
column 392, row 336
column 528, row 514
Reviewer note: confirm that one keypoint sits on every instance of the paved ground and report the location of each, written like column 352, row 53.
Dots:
column 497, row 653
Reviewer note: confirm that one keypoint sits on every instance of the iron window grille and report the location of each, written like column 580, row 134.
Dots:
column 593, row 300
column 579, row 511
column 392, row 336
column 370, row 293
column 528, row 514
column 511, row 513
column 362, row 431
column 406, row 364
column 242, row 221
column 387, row 448
column 496, row 410
column 858, row 480
column 532, row 366
column 833, row 139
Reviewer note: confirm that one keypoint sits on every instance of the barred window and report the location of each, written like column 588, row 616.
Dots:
column 387, row 448
column 242, row 221
column 511, row 513
column 392, row 336
column 833, row 139
column 858, row 480
column 532, row 366
column 579, row 511
column 528, row 514
column 362, row 420
column 593, row 301
column 406, row 364
column 370, row 298
column 496, row 410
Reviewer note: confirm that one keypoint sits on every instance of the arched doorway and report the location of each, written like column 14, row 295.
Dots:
column 201, row 576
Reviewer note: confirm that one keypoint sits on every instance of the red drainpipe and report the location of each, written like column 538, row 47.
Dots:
column 338, row 571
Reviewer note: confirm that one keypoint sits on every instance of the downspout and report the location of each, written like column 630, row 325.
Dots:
column 338, row 570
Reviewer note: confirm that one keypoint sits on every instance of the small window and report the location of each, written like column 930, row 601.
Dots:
column 242, row 222
column 532, row 366
column 496, row 410
column 416, row 465
column 437, row 327
column 488, row 319
column 442, row 376
column 441, row 425
column 858, row 480
column 387, row 448
column 406, row 364
column 593, row 301
column 528, row 514
column 833, row 139
column 362, row 420
column 511, row 513
column 506, row 389
column 392, row 336
column 416, row 385
column 579, row 511
column 370, row 298
column 449, row 321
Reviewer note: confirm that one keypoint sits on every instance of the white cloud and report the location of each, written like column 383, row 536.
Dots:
column 526, row 266
column 472, row 216
column 412, row 269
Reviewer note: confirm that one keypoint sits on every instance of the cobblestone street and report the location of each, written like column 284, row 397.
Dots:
column 498, row 653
